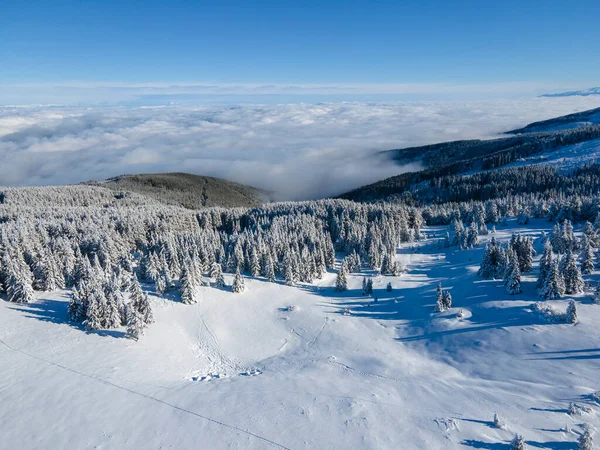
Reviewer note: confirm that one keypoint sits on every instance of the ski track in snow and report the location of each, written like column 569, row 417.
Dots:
column 149, row 397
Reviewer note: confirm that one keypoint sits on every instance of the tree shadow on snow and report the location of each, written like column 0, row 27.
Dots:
column 487, row 445
column 554, row 445
column 554, row 410
column 56, row 311
column 594, row 353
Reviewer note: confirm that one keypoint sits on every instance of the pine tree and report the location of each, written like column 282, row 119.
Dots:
column 473, row 235
column 254, row 264
column 187, row 288
column 447, row 299
column 440, row 297
column 364, row 286
column 75, row 310
column 498, row 422
column 587, row 266
column 555, row 284
column 545, row 264
column 585, row 441
column 162, row 282
column 135, row 324
column 238, row 283
column 518, row 443
column 93, row 320
column 341, row 282
column 574, row 283
column 571, row 315
column 219, row 278
column 290, row 278
column 139, row 301
column 513, row 282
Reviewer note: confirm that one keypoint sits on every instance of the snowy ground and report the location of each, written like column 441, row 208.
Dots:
column 242, row 371
column 565, row 158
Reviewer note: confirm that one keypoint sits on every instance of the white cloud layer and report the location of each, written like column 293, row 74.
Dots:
column 298, row 151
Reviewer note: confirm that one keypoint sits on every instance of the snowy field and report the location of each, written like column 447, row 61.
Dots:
column 334, row 371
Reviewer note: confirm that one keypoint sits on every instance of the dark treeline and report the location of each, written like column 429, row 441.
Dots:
column 482, row 155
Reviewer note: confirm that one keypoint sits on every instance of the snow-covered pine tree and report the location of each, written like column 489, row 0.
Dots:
column 447, row 299
column 473, row 235
column 135, row 324
column 525, row 254
column 75, row 309
column 269, row 269
column 219, row 278
column 498, row 422
column 458, row 230
column 574, row 283
column 556, row 239
column 139, row 301
column 439, row 298
column 341, row 282
column 238, row 283
column 545, row 264
column 585, row 441
column 554, row 286
column 94, row 312
column 290, row 278
column 587, row 266
column 513, row 282
column 254, row 264
column 518, row 443
column 187, row 288
column 571, row 314
column 163, row 281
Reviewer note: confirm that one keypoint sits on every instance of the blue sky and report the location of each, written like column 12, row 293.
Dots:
column 309, row 42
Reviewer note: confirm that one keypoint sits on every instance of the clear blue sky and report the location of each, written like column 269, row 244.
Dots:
column 300, row 41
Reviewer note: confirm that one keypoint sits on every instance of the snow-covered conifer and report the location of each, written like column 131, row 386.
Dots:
column 554, row 286
column 574, row 283
column 585, row 441
column 238, row 283
column 513, row 282
column 341, row 282
column 587, row 266
column 518, row 443
column 571, row 314
column 545, row 264
column 135, row 324
column 187, row 288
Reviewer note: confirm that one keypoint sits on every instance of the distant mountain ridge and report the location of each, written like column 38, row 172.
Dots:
column 186, row 190
column 450, row 159
column 582, row 93
column 576, row 120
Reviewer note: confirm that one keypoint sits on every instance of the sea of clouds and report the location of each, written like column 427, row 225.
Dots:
column 296, row 151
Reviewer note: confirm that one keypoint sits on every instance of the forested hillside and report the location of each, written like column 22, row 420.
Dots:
column 187, row 190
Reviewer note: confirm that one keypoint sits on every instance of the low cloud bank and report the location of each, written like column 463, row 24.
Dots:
column 296, row 151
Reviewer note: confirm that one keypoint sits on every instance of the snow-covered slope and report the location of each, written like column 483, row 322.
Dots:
column 566, row 158
column 335, row 372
